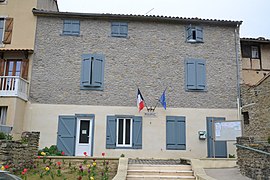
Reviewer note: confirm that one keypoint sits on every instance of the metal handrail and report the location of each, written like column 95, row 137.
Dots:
column 252, row 149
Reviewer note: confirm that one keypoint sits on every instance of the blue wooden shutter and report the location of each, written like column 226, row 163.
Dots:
column 123, row 29
column 190, row 74
column 66, row 134
column 111, row 132
column 66, row 28
column 201, row 74
column 75, row 28
column 189, row 32
column 98, row 70
column 115, row 29
column 199, row 34
column 86, row 70
column 175, row 133
column 137, row 132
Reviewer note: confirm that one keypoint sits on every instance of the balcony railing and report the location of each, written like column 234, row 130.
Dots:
column 14, row 86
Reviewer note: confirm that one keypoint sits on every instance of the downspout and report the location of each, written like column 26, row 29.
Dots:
column 237, row 39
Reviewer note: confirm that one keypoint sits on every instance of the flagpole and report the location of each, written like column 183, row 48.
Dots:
column 159, row 99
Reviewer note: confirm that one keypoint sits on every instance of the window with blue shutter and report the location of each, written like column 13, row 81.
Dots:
column 71, row 27
column 175, row 133
column 194, row 34
column 124, row 132
column 119, row 29
column 92, row 71
column 195, row 74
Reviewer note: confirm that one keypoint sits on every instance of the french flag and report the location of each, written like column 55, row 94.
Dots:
column 140, row 100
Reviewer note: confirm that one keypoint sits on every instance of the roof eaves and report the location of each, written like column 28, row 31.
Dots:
column 38, row 12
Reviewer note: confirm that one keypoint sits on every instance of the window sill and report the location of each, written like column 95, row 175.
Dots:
column 192, row 41
column 77, row 35
column 119, row 36
column 196, row 90
column 92, row 88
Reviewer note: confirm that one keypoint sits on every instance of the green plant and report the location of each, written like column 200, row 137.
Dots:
column 5, row 136
column 122, row 155
column 231, row 156
column 51, row 151
column 268, row 139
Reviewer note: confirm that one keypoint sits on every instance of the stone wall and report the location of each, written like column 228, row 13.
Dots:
column 253, row 164
column 19, row 154
column 256, row 101
column 152, row 57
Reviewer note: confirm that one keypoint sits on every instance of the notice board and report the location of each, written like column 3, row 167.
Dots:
column 227, row 130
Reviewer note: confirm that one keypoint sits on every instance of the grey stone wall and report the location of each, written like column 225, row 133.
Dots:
column 256, row 101
column 152, row 57
column 253, row 164
column 19, row 154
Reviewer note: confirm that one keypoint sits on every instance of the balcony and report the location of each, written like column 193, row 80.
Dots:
column 14, row 86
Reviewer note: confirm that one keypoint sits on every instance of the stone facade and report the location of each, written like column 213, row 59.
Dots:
column 253, row 164
column 152, row 57
column 256, row 101
column 19, row 154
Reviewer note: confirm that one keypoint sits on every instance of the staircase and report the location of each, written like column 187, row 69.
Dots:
column 158, row 169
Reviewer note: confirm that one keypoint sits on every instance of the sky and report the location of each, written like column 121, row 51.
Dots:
column 255, row 14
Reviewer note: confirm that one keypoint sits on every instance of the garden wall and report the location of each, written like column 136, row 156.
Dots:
column 19, row 154
column 252, row 164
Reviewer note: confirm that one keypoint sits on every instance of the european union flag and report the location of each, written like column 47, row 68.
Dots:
column 162, row 100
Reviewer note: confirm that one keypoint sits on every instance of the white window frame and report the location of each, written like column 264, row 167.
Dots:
column 255, row 52
column 3, row 115
column 3, row 33
column 124, row 132
column 4, row 2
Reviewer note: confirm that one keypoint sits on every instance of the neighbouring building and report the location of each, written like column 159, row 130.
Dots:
column 87, row 68
column 256, row 108
column 255, row 59
column 17, row 38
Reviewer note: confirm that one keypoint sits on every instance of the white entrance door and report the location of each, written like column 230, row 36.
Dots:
column 84, row 137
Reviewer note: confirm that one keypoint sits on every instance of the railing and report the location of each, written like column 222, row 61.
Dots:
column 5, row 129
column 14, row 86
column 252, row 149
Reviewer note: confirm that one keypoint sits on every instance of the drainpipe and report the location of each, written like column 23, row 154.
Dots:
column 237, row 39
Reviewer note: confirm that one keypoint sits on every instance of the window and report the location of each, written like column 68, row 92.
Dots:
column 6, row 26
column 250, row 51
column 14, row 67
column 246, row 117
column 124, row 132
column 119, row 29
column 92, row 72
column 194, row 34
column 195, row 74
column 71, row 27
column 175, row 133
column 3, row 115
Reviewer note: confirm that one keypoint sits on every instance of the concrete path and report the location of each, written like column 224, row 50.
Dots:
column 225, row 174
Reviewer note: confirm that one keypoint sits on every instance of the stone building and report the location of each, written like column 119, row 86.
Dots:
column 256, row 108
column 17, row 38
column 87, row 69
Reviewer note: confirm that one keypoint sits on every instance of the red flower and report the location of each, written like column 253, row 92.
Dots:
column 23, row 173
column 80, row 177
column 59, row 163
column 6, row 166
column 62, row 153
column 85, row 153
column 38, row 157
column 103, row 154
column 25, row 170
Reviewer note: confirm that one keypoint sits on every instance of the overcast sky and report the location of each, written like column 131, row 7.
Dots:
column 255, row 14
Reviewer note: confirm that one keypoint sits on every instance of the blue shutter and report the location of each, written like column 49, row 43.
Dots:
column 98, row 70
column 71, row 27
column 86, row 70
column 175, row 133
column 190, row 74
column 189, row 32
column 137, row 132
column 119, row 29
column 123, row 29
column 115, row 29
column 199, row 34
column 66, row 134
column 201, row 74
column 111, row 132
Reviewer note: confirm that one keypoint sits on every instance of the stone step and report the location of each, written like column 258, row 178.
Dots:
column 155, row 177
column 158, row 167
column 160, row 172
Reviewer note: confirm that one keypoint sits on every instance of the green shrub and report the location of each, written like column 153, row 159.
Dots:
column 5, row 136
column 51, row 151
column 269, row 139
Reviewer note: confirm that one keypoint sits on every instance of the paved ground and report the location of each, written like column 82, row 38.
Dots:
column 154, row 161
column 225, row 174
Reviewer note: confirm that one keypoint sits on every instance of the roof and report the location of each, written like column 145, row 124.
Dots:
column 257, row 40
column 132, row 17
column 17, row 49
